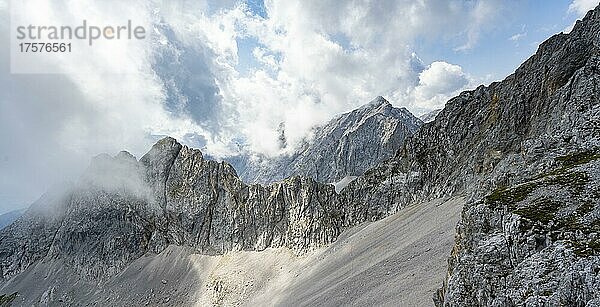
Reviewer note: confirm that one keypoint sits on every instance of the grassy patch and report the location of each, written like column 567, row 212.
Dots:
column 563, row 177
column 510, row 196
column 558, row 215
column 586, row 249
column 574, row 181
column 585, row 208
column 542, row 210
column 575, row 159
column 6, row 299
column 547, row 292
column 493, row 117
column 570, row 161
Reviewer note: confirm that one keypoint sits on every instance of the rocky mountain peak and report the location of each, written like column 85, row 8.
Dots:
column 165, row 148
column 379, row 105
column 378, row 101
column 347, row 145
column 160, row 158
column 125, row 155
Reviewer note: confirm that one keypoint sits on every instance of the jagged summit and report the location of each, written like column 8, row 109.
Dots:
column 166, row 141
column 379, row 100
column 167, row 146
column 123, row 209
column 348, row 145
column 381, row 106
column 125, row 155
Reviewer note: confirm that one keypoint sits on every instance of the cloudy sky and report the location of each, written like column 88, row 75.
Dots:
column 222, row 75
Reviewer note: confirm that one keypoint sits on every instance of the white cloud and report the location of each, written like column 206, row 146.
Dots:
column 187, row 84
column 53, row 124
column 517, row 37
column 581, row 7
column 482, row 16
column 303, row 76
column 307, row 72
column 439, row 82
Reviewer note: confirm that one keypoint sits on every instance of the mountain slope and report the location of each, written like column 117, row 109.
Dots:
column 123, row 208
column 397, row 259
column 9, row 217
column 500, row 134
column 524, row 152
column 493, row 140
column 348, row 145
column 534, row 240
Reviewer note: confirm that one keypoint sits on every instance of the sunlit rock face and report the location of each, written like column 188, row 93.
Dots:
column 429, row 117
column 533, row 238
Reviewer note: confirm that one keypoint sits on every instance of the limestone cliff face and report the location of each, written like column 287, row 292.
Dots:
column 501, row 134
column 533, row 239
column 532, row 141
column 123, row 208
column 533, row 243
column 211, row 209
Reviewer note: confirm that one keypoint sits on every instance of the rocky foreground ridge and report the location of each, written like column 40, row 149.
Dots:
column 533, row 238
column 525, row 151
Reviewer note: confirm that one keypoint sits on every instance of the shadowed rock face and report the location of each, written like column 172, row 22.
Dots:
column 348, row 145
column 525, row 151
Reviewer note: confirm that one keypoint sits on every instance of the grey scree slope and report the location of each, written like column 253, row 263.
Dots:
column 393, row 261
